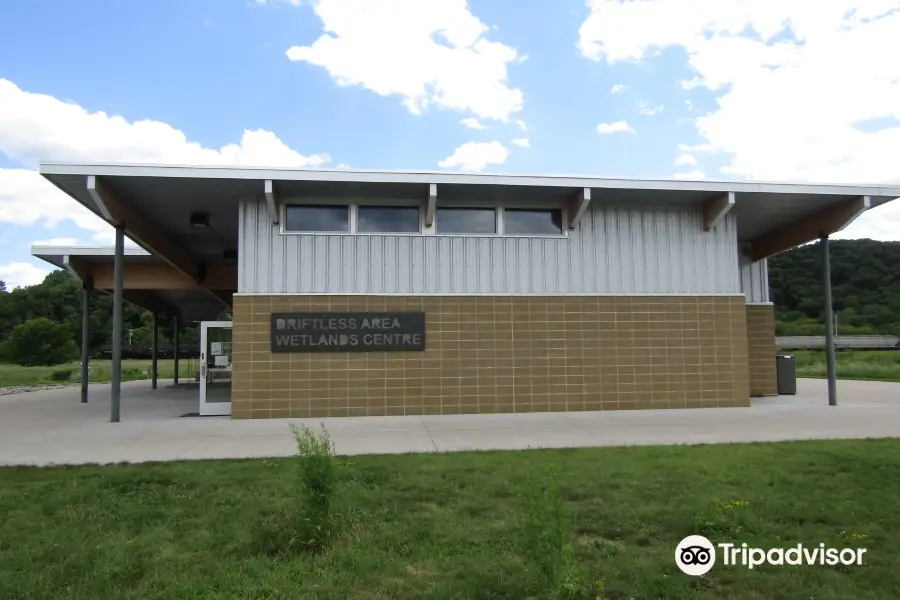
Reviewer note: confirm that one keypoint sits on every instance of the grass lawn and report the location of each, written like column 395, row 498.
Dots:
column 132, row 369
column 449, row 525
column 880, row 365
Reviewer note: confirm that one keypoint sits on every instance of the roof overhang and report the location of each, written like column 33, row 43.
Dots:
column 164, row 197
column 149, row 282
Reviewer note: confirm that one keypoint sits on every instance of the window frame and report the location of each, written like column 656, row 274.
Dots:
column 563, row 221
column 498, row 226
column 354, row 204
column 283, row 218
column 392, row 204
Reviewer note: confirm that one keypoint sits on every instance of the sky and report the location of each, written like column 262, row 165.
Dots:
column 773, row 90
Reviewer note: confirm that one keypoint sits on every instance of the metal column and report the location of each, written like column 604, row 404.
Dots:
column 155, row 359
column 175, row 343
column 85, row 338
column 829, row 323
column 118, row 291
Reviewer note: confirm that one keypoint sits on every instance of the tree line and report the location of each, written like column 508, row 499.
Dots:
column 41, row 324
column 865, row 278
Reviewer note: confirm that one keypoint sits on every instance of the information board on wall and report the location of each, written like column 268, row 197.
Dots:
column 348, row 332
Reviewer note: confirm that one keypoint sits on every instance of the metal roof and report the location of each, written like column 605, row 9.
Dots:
column 167, row 194
column 56, row 255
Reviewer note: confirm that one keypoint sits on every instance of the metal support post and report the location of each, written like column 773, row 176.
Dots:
column 829, row 323
column 85, row 338
column 154, row 366
column 118, row 301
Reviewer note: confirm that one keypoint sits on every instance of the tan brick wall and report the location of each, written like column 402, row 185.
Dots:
column 761, row 349
column 491, row 354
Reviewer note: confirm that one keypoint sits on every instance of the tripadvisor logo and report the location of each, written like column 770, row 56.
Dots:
column 695, row 555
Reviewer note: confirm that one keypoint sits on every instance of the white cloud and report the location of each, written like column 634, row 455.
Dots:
column 618, row 88
column 27, row 198
column 521, row 125
column 20, row 274
column 425, row 51
column 472, row 123
column 691, row 175
column 648, row 110
column 35, row 127
column 522, row 142
column 475, row 156
column 685, row 160
column 804, row 90
column 57, row 241
column 617, row 127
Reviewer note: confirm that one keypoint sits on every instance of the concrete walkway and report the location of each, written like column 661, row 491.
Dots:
column 53, row 427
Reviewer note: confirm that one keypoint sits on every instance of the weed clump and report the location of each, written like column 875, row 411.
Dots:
column 318, row 483
column 546, row 545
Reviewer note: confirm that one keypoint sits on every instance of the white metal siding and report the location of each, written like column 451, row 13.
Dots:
column 613, row 250
column 755, row 279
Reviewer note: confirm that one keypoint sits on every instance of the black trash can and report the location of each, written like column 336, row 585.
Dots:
column 786, row 367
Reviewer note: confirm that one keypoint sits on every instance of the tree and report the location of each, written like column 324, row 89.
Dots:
column 865, row 276
column 41, row 342
column 2, row 286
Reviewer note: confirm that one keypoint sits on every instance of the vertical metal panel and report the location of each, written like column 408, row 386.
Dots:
column 348, row 263
column 470, row 260
column 615, row 249
column 361, row 264
column 755, row 279
column 241, row 248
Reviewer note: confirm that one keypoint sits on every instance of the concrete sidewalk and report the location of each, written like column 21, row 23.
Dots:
column 53, row 427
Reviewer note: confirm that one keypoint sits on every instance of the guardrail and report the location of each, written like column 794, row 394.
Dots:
column 842, row 342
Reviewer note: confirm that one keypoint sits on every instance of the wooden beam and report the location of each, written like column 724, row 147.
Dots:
column 77, row 268
column 271, row 202
column 431, row 205
column 827, row 222
column 715, row 210
column 162, row 277
column 225, row 297
column 99, row 200
column 578, row 206
column 141, row 229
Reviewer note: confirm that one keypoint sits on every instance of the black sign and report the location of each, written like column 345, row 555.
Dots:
column 348, row 332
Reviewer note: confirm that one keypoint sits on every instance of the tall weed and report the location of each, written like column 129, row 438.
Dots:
column 546, row 544
column 318, row 483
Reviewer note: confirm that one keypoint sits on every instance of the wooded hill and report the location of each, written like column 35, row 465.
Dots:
column 865, row 277
column 59, row 298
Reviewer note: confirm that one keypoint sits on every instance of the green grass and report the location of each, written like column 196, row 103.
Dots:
column 449, row 526
column 881, row 365
column 132, row 369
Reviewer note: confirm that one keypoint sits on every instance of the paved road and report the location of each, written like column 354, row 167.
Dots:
column 53, row 427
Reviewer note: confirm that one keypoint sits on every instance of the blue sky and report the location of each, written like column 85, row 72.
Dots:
column 638, row 88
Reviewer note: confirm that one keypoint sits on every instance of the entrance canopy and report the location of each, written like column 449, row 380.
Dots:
column 189, row 216
column 148, row 281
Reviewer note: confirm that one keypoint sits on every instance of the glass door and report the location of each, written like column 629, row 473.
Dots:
column 215, row 368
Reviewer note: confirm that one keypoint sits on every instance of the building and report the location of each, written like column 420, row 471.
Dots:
column 386, row 293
